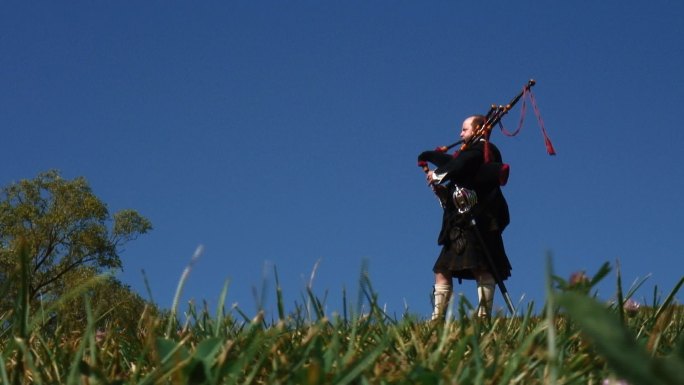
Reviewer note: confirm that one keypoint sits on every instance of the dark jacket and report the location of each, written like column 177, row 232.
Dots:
column 468, row 170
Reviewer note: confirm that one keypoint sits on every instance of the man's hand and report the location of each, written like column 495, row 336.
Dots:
column 433, row 179
column 430, row 177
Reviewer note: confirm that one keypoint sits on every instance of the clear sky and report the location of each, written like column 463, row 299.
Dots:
column 284, row 134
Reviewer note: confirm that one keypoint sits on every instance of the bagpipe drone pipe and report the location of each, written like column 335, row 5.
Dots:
column 491, row 172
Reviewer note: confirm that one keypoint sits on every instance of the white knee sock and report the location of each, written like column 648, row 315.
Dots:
column 485, row 297
column 442, row 296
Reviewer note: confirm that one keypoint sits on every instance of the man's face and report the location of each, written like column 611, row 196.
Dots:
column 467, row 130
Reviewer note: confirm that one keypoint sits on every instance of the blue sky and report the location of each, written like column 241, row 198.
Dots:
column 286, row 133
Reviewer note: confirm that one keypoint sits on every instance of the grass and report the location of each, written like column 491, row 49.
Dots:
column 574, row 340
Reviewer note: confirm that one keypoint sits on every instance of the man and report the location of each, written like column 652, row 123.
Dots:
column 463, row 255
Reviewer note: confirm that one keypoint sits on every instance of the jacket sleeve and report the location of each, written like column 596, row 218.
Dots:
column 465, row 165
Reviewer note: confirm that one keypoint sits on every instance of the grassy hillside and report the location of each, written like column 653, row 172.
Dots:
column 574, row 340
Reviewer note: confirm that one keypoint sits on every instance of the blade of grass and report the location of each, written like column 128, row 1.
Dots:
column 21, row 321
column 148, row 289
column 179, row 289
column 279, row 296
column 620, row 298
column 551, row 331
column 3, row 371
column 220, row 309
column 668, row 301
column 636, row 285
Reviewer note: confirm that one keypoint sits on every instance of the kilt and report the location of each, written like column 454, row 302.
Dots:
column 463, row 253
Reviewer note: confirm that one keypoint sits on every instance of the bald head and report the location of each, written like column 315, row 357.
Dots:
column 470, row 126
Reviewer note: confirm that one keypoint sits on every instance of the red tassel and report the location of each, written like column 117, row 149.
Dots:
column 549, row 147
column 503, row 174
column 487, row 156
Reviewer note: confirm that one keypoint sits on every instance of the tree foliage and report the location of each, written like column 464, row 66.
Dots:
column 114, row 306
column 66, row 228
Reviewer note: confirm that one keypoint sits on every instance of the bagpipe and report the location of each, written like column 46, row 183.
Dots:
column 490, row 172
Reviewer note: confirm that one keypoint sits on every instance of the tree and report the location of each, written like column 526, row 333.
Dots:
column 114, row 306
column 65, row 227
